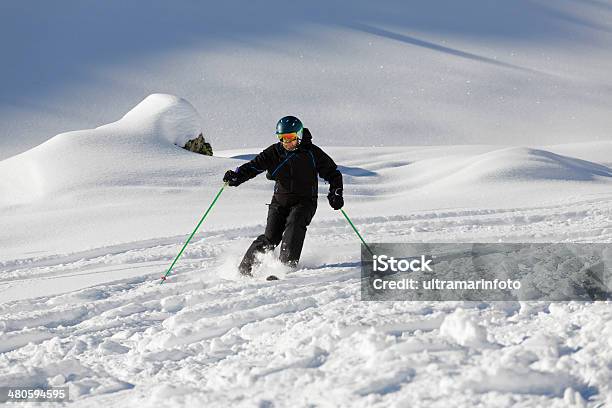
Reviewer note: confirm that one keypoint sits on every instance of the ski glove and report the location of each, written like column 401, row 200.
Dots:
column 335, row 198
column 232, row 178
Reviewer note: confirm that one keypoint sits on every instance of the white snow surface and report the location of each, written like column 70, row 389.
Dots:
column 384, row 72
column 147, row 135
column 91, row 220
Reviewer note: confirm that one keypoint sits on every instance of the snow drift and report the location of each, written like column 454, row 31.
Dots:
column 130, row 151
column 522, row 164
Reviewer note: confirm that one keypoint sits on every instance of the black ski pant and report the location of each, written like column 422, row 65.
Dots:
column 288, row 218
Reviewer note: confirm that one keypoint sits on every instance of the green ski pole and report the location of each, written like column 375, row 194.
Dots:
column 357, row 232
column 163, row 278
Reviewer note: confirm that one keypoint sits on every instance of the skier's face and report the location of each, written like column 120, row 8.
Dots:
column 292, row 145
column 290, row 140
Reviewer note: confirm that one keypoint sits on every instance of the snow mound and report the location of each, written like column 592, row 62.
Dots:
column 175, row 120
column 596, row 151
column 462, row 328
column 522, row 164
column 125, row 152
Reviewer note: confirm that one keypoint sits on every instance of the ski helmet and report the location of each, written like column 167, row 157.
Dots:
column 289, row 124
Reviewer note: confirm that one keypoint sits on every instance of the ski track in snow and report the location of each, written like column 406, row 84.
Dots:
column 218, row 340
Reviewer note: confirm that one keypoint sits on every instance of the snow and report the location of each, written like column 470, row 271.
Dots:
column 463, row 329
column 384, row 73
column 85, row 308
column 477, row 124
column 146, row 135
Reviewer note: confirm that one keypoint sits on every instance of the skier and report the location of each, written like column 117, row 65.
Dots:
column 293, row 163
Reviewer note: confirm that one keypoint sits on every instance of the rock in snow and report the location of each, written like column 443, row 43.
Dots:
column 199, row 145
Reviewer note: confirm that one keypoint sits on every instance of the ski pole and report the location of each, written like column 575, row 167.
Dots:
column 163, row 278
column 356, row 232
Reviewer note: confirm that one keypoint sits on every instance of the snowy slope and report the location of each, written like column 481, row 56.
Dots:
column 91, row 219
column 383, row 72
column 132, row 171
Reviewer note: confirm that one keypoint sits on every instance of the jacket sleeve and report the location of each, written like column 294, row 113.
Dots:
column 260, row 163
column 327, row 169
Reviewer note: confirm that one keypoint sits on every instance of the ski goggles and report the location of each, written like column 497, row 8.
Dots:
column 288, row 137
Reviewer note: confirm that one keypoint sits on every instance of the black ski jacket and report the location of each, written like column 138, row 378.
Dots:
column 295, row 172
